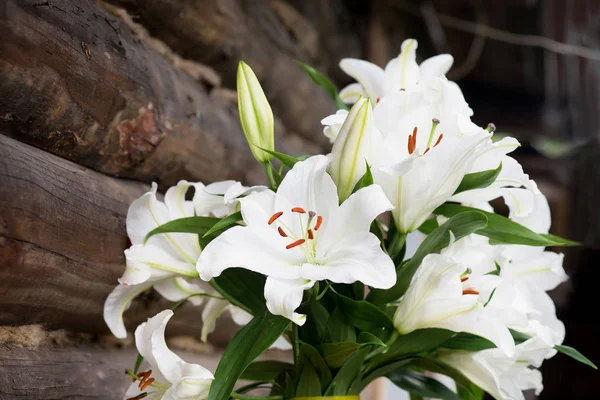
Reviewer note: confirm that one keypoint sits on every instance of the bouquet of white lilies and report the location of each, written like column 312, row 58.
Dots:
column 382, row 258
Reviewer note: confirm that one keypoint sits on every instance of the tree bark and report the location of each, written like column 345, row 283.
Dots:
column 77, row 82
column 62, row 237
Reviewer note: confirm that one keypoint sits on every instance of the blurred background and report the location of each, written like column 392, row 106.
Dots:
column 144, row 90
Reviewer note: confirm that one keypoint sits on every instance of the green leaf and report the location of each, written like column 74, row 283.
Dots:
column 138, row 362
column 242, row 288
column 421, row 385
column 428, row 226
column 286, row 159
column 411, row 344
column 340, row 385
column 336, row 354
column 434, row 365
column 312, row 356
column 321, row 80
column 460, row 225
column 365, row 180
column 363, row 315
column 478, row 180
column 468, row 342
column 309, row 383
column 266, row 370
column 224, row 224
column 250, row 342
column 199, row 225
column 471, row 392
column 502, row 230
column 315, row 328
column 519, row 337
column 576, row 355
column 338, row 329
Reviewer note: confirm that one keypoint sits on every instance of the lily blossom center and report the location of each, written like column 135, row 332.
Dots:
column 467, row 290
column 309, row 223
column 412, row 138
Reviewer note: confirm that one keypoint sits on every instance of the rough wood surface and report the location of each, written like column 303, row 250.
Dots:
column 269, row 36
column 62, row 236
column 79, row 83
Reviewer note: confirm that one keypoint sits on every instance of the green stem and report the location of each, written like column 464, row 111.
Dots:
column 270, row 175
column 235, row 395
column 398, row 242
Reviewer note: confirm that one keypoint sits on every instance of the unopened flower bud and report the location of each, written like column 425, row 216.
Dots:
column 256, row 116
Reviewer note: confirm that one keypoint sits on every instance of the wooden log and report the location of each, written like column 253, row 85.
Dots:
column 220, row 33
column 62, row 237
column 77, row 82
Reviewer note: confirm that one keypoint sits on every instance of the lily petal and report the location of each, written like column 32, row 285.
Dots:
column 435, row 66
column 177, row 289
column 369, row 75
column 285, row 295
column 351, row 93
column 402, row 72
column 117, row 302
column 212, row 311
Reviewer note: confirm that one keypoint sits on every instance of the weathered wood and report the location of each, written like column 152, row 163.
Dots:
column 62, row 237
column 220, row 33
column 77, row 82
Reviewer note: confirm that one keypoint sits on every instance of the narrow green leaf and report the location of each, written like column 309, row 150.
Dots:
column 309, row 383
column 519, row 337
column 336, row 354
column 224, row 223
column 478, row 180
column 338, row 329
column 468, row 342
column 250, row 342
column 365, row 180
column 428, row 226
column 576, row 355
column 421, row 385
column 363, row 315
column 434, row 365
column 315, row 328
column 341, row 383
column 286, row 159
column 316, row 360
column 199, row 225
column 242, row 288
column 138, row 362
column 266, row 370
column 411, row 344
column 502, row 230
column 460, row 225
column 321, row 80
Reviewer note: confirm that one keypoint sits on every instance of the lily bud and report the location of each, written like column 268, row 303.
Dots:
column 351, row 147
column 256, row 116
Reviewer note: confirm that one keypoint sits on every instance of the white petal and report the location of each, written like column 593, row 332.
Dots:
column 352, row 93
column 117, row 302
column 308, row 185
column 160, row 263
column 145, row 214
column 239, row 316
column 258, row 208
column 285, row 295
column 538, row 220
column 177, row 289
column 175, row 201
column 212, row 311
column 258, row 249
column 194, row 384
column 281, row 344
column 354, row 215
column 436, row 66
column 209, row 200
column 369, row 75
column 402, row 72
column 355, row 257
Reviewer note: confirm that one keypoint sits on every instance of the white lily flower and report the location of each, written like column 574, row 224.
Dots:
column 352, row 147
column 256, row 116
column 220, row 199
column 170, row 378
column 504, row 377
column 301, row 235
column 333, row 124
column 402, row 72
column 442, row 294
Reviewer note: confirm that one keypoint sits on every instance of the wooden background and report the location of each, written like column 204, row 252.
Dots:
column 100, row 98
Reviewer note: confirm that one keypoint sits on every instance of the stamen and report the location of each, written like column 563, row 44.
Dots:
column 319, row 222
column 275, row 216
column 311, row 235
column 439, row 139
column 412, row 141
column 378, row 99
column 295, row 244
column 434, row 123
column 138, row 397
column 148, row 383
column 470, row 291
column 299, row 210
column 281, row 232
column 464, row 279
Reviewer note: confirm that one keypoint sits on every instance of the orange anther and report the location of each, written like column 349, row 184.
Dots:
column 148, row 383
column 281, row 232
column 275, row 216
column 470, row 291
column 311, row 235
column 295, row 244
column 138, row 397
column 464, row 278
column 439, row 139
column 319, row 222
column 299, row 210
column 412, row 141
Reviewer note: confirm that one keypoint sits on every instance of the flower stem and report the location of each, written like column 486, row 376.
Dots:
column 270, row 175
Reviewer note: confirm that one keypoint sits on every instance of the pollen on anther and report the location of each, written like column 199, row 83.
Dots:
column 470, row 291
column 299, row 210
column 295, row 244
column 464, row 278
column 412, row 141
column 281, row 232
column 439, row 139
column 275, row 216
column 148, row 383
column 311, row 235
column 319, row 222
column 139, row 396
